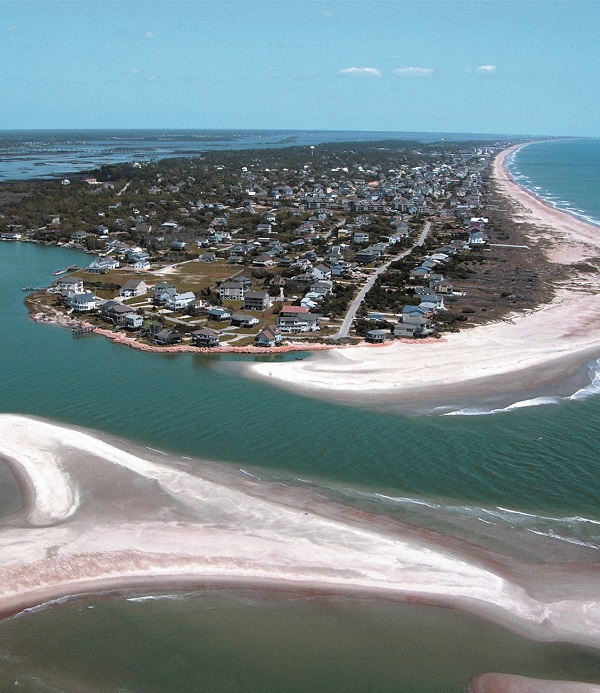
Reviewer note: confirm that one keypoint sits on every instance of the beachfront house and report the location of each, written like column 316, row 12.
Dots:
column 83, row 303
column 205, row 337
column 377, row 336
column 268, row 336
column 115, row 312
column 166, row 337
column 413, row 331
column 296, row 319
column 133, row 321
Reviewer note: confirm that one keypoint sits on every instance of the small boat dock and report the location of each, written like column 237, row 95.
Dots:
column 82, row 329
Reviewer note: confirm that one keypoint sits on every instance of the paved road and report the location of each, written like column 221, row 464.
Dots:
column 347, row 324
column 423, row 235
column 124, row 188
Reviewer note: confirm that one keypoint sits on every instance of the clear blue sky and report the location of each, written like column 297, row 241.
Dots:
column 515, row 67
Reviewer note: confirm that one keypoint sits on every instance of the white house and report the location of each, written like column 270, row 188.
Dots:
column 133, row 321
column 133, row 287
column 83, row 303
column 233, row 291
column 69, row 286
column 102, row 265
column 179, row 301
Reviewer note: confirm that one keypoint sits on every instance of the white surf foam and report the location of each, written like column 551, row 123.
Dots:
column 574, row 529
column 535, row 402
column 594, row 387
column 588, row 391
column 157, row 598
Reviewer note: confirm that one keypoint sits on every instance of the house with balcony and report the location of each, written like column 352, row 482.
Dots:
column 68, row 286
column 205, row 337
column 296, row 319
column 133, row 287
column 83, row 303
column 103, row 265
column 257, row 300
column 180, row 301
column 232, row 291
column 269, row 336
column 133, row 321
column 166, row 337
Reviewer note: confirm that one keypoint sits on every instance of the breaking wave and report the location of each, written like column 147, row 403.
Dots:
column 571, row 529
column 588, row 391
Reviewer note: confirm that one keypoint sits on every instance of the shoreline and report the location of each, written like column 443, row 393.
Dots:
column 192, row 525
column 544, row 346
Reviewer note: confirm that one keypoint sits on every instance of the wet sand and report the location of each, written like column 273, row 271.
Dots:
column 100, row 517
column 505, row 683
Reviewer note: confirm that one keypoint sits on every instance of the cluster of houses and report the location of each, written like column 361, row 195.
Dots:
column 290, row 320
column 343, row 198
column 418, row 320
column 333, row 220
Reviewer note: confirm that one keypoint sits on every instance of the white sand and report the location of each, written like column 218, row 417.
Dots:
column 140, row 522
column 557, row 334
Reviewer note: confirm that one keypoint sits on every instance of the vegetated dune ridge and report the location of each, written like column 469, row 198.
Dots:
column 100, row 517
column 531, row 348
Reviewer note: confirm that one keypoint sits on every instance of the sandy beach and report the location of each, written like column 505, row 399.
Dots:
column 527, row 350
column 99, row 516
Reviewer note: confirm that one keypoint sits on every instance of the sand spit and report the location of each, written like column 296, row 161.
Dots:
column 505, row 683
column 562, row 335
column 130, row 520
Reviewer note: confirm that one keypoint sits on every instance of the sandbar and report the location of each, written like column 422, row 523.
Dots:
column 98, row 516
column 507, row 683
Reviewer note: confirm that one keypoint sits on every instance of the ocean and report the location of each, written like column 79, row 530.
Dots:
column 563, row 173
column 523, row 481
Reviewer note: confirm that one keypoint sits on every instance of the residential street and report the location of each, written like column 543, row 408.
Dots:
column 347, row 324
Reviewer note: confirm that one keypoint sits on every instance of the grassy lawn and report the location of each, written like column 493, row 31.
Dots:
column 188, row 276
column 195, row 276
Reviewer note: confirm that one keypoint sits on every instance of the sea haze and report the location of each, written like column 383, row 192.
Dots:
column 28, row 154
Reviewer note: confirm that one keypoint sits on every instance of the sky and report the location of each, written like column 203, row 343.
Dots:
column 517, row 67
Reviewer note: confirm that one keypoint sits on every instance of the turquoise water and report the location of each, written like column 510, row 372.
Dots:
column 540, row 459
column 565, row 173
column 531, row 471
